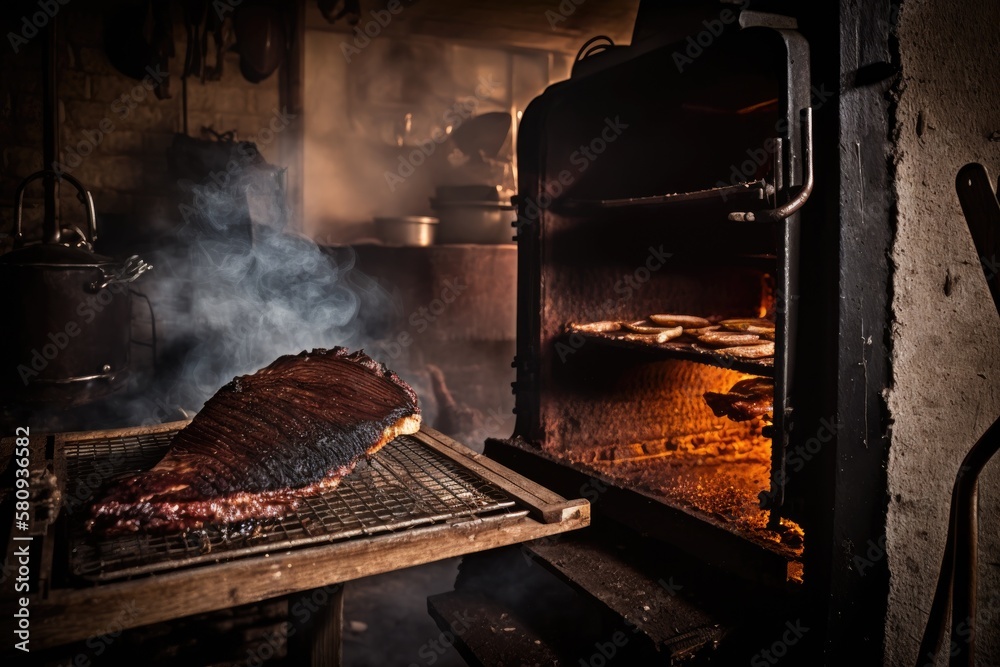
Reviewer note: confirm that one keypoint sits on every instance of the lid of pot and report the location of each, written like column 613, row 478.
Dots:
column 53, row 255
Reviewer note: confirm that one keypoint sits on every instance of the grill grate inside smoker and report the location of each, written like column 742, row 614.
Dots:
column 405, row 485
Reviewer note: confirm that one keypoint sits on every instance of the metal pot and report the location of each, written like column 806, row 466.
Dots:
column 410, row 230
column 474, row 221
column 67, row 313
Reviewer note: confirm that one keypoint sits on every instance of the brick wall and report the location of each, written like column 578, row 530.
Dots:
column 125, row 168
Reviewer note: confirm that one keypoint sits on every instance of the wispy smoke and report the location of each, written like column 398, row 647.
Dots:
column 234, row 293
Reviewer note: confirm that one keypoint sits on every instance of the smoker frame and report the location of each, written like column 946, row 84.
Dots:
column 793, row 184
column 849, row 237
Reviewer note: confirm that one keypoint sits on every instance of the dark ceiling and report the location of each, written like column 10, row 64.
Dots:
column 554, row 25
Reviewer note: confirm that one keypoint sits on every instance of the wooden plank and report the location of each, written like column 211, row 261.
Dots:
column 71, row 615
column 487, row 633
column 320, row 641
column 65, row 615
column 488, row 463
column 656, row 606
column 544, row 504
column 127, row 432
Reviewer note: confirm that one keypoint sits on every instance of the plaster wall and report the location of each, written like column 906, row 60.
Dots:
column 946, row 333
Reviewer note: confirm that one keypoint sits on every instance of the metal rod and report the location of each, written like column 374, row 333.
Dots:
column 963, row 613
column 50, row 134
column 779, row 168
column 184, row 105
column 957, row 580
column 799, row 199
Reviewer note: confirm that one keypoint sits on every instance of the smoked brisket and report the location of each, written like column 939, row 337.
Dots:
column 263, row 441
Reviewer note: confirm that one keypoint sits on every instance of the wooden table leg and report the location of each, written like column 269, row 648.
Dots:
column 317, row 627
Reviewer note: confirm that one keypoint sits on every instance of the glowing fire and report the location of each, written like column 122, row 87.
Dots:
column 712, row 466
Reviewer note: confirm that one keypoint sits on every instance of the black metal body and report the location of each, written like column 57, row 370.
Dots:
column 832, row 358
column 662, row 181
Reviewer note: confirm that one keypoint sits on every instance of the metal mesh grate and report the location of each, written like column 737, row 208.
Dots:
column 406, row 484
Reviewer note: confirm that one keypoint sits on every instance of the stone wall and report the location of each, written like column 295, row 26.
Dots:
column 946, row 335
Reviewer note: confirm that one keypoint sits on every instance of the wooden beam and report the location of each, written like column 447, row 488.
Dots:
column 77, row 614
column 63, row 615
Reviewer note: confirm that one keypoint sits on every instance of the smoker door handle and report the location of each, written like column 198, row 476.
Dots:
column 800, row 197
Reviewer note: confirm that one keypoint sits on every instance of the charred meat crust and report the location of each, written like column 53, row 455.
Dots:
column 263, row 441
column 746, row 400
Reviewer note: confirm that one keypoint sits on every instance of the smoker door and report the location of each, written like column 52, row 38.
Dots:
column 661, row 152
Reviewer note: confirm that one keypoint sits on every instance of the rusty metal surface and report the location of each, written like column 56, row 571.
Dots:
column 405, row 485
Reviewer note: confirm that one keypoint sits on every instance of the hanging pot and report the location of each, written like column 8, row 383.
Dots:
column 66, row 328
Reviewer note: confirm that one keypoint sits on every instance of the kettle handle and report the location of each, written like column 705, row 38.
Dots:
column 82, row 194
column 128, row 272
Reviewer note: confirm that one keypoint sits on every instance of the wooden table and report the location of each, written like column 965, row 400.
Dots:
column 64, row 611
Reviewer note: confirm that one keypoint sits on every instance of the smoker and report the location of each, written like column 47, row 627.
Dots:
column 666, row 179
column 691, row 206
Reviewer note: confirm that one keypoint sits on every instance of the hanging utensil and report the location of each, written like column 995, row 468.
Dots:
column 483, row 134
